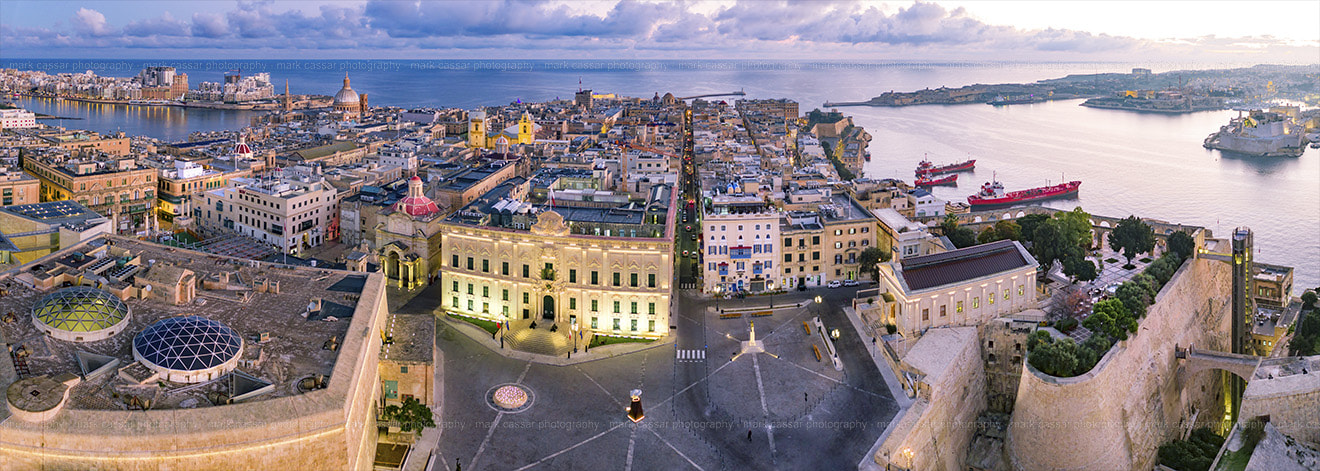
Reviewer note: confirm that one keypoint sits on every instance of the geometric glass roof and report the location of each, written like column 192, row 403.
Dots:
column 187, row 343
column 80, row 309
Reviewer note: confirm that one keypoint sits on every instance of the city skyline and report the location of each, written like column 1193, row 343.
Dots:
column 1216, row 32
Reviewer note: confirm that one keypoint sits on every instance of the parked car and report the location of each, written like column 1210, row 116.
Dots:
column 852, row 283
column 834, row 284
column 694, row 255
column 685, row 253
column 694, row 237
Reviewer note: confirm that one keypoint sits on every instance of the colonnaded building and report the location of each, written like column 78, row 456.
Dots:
column 130, row 355
column 605, row 267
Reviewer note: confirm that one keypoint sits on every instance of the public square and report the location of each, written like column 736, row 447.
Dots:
column 781, row 409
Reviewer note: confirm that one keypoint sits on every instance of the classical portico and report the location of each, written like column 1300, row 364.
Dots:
column 408, row 240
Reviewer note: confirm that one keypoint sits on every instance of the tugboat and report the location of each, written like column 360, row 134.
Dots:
column 925, row 180
column 992, row 194
column 925, row 168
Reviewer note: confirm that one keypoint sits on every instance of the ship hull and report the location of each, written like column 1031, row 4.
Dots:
column 968, row 165
column 949, row 180
column 1065, row 190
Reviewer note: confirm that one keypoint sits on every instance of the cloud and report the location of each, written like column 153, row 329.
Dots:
column 165, row 25
column 782, row 29
column 91, row 23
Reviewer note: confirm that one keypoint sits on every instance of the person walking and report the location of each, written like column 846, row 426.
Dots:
column 749, row 435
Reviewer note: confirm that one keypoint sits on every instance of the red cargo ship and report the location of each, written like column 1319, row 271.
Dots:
column 927, row 181
column 926, row 168
column 992, row 194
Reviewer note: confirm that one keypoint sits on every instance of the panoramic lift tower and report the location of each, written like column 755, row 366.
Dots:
column 1243, row 307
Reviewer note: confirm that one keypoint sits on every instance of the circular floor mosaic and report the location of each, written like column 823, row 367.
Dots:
column 510, row 397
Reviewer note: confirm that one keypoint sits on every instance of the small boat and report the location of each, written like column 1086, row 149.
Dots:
column 927, row 181
column 867, row 156
column 927, row 168
column 992, row 194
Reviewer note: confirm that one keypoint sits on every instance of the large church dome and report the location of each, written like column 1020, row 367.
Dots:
column 416, row 204
column 346, row 95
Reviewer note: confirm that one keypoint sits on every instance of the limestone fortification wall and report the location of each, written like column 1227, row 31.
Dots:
column 1117, row 415
column 938, row 430
column 1292, row 402
column 333, row 428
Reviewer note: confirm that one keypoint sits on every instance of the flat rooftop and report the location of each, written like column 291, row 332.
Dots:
column 294, row 348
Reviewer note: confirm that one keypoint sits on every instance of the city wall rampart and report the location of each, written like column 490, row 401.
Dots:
column 937, row 430
column 1117, row 415
column 332, row 428
column 1292, row 402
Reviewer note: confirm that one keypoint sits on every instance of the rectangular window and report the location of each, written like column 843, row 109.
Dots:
column 925, row 314
column 594, row 323
column 991, row 298
column 453, row 262
column 815, row 240
column 788, row 242
column 634, row 307
column 617, row 277
column 815, row 255
column 485, row 291
column 976, row 302
column 504, row 295
column 572, row 303
column 455, row 286
column 650, row 325
column 403, row 369
column 1020, row 290
column 504, row 268
column 594, row 308
column 650, row 280
column 485, row 307
column 527, row 298
column 469, row 263
column 633, row 325
column 632, row 280
column 469, row 288
column 616, row 307
column 469, row 304
column 616, row 323
column 506, row 311
column 650, row 308
column 527, row 271
column 455, row 302
column 1005, row 294
column 485, row 266
column 943, row 308
column 572, row 275
column 959, row 308
column 595, row 279
column 788, row 258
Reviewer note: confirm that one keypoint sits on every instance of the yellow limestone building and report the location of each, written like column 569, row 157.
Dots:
column 607, row 270
column 479, row 135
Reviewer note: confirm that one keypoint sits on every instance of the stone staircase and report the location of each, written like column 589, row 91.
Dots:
column 540, row 340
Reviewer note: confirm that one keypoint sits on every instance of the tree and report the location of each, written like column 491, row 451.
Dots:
column 987, row 236
column 870, row 260
column 411, row 415
column 960, row 236
column 1182, row 244
column 1308, row 300
column 1047, row 241
column 1135, row 296
column 1076, row 266
column 1055, row 358
column 1075, row 225
column 1112, row 318
column 1008, row 230
column 1029, row 223
column 1133, row 236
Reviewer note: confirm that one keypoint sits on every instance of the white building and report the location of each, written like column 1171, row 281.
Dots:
column 925, row 204
column 17, row 119
column 904, row 238
column 738, row 248
column 399, row 157
column 291, row 214
column 968, row 286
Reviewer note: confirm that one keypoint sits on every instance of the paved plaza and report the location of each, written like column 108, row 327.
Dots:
column 701, row 405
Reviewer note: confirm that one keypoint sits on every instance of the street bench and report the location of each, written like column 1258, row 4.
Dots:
column 731, row 315
column 761, row 313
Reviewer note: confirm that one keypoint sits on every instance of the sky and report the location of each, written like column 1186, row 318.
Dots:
column 1236, row 32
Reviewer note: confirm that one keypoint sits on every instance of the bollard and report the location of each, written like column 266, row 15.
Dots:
column 817, row 350
column 806, row 327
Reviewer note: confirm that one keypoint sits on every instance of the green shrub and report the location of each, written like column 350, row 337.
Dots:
column 1145, row 259
column 890, row 329
column 1066, row 324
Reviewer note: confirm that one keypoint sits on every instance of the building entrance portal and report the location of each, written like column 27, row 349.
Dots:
column 548, row 308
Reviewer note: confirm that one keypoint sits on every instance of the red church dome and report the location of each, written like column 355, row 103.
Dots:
column 416, row 204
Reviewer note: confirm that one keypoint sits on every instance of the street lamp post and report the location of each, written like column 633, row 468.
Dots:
column 574, row 327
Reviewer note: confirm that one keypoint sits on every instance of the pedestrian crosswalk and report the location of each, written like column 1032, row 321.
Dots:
column 687, row 285
column 690, row 355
